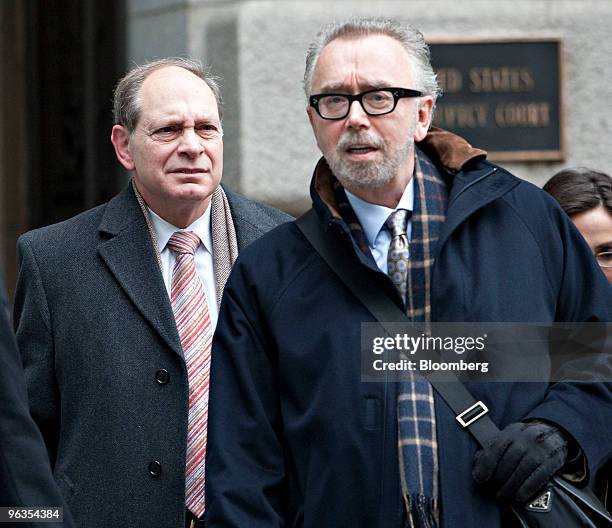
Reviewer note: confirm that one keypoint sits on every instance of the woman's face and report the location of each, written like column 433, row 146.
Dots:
column 595, row 225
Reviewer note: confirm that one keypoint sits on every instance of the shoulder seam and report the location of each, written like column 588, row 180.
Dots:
column 307, row 262
column 535, row 239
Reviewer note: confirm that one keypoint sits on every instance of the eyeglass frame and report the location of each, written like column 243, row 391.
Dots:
column 606, row 252
column 398, row 93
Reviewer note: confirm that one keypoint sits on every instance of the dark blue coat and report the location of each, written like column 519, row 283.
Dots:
column 25, row 473
column 297, row 439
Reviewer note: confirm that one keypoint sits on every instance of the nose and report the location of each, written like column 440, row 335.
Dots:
column 357, row 118
column 190, row 143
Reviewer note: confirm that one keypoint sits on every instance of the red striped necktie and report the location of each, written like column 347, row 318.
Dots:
column 190, row 309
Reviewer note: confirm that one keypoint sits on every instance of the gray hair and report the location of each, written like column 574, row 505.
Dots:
column 407, row 35
column 126, row 101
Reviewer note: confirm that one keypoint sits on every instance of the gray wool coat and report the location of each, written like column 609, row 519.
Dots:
column 106, row 377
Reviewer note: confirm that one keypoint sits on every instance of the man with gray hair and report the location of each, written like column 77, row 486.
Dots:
column 116, row 307
column 296, row 437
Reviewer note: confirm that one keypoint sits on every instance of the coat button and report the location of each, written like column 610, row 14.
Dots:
column 162, row 376
column 155, row 469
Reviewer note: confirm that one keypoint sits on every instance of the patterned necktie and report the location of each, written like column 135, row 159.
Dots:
column 195, row 332
column 397, row 257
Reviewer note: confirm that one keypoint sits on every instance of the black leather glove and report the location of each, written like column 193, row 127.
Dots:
column 520, row 460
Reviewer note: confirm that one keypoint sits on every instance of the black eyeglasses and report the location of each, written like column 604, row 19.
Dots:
column 604, row 259
column 378, row 101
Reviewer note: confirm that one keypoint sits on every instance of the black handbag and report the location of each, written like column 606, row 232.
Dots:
column 560, row 504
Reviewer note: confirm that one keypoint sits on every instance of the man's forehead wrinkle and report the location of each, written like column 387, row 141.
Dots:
column 366, row 84
column 180, row 116
column 178, row 120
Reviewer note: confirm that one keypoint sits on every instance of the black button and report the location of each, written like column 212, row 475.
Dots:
column 162, row 376
column 155, row 469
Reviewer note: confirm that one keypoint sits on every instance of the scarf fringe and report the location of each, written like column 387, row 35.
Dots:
column 420, row 512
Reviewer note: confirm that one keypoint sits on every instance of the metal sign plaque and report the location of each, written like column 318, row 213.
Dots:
column 503, row 96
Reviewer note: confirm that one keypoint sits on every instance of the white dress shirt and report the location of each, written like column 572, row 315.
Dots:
column 203, row 256
column 372, row 218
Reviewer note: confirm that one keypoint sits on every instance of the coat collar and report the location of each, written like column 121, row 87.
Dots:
column 465, row 168
column 473, row 181
column 121, row 211
column 450, row 152
column 128, row 252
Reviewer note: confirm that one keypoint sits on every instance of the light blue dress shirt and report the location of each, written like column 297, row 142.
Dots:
column 372, row 218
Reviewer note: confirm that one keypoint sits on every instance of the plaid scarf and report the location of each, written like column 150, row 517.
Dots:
column 417, row 444
column 350, row 218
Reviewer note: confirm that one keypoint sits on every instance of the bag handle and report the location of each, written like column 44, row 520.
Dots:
column 469, row 413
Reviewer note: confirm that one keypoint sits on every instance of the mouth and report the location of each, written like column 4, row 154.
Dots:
column 361, row 152
column 187, row 171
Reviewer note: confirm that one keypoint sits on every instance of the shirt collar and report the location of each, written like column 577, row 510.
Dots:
column 372, row 217
column 164, row 230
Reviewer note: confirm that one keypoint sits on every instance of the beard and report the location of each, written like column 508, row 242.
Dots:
column 365, row 174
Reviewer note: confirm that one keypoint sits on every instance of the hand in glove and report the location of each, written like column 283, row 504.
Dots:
column 520, row 460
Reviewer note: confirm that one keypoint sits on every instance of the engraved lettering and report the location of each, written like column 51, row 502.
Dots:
column 461, row 115
column 503, row 79
column 533, row 115
column 450, row 80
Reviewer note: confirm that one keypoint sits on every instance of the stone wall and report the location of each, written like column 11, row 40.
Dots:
column 259, row 49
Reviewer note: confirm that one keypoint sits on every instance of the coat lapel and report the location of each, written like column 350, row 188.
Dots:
column 129, row 254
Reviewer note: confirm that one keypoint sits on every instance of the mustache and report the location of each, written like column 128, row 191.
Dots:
column 365, row 138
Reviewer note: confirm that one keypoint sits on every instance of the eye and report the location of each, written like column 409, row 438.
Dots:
column 380, row 97
column 208, row 130
column 605, row 258
column 333, row 100
column 167, row 132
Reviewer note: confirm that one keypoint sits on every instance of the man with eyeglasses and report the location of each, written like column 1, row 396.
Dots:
column 296, row 438
column 115, row 308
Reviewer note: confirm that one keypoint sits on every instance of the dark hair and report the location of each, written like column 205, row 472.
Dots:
column 581, row 189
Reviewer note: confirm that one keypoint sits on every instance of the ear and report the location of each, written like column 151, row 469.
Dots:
column 120, row 138
column 310, row 111
column 423, row 118
column 312, row 117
